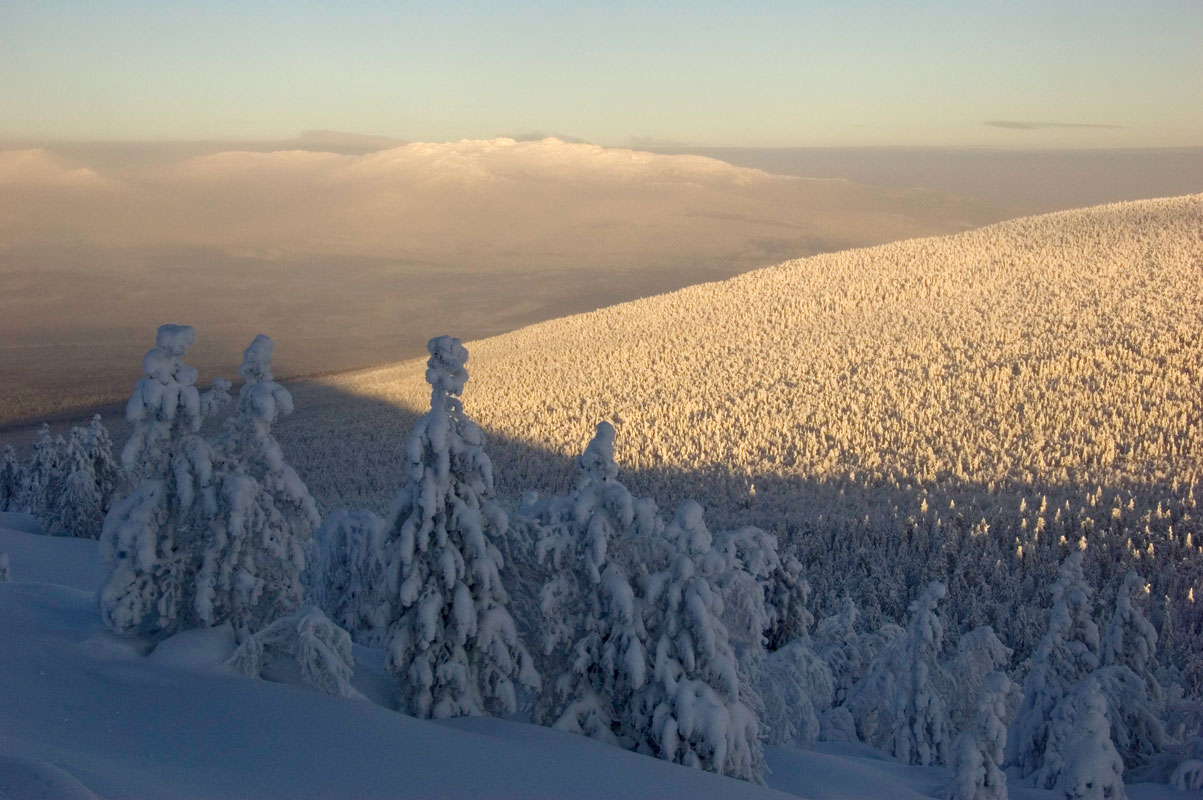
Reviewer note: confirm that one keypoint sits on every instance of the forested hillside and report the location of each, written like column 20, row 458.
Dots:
column 967, row 408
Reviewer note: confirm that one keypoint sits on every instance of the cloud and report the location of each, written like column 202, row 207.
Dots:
column 538, row 136
column 1023, row 125
column 343, row 141
column 37, row 167
column 652, row 141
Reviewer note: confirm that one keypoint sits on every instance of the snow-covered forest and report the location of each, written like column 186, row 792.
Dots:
column 935, row 498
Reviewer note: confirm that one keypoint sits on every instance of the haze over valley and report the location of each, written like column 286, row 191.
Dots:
column 357, row 257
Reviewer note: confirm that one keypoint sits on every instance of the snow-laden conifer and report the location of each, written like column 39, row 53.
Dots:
column 351, row 576
column 149, row 539
column 1068, row 653
column 1188, row 775
column 320, row 650
column 898, row 706
column 764, row 604
column 40, row 479
column 1136, row 728
column 252, row 559
column 1080, row 761
column 921, row 734
column 10, row 479
column 104, row 465
column 453, row 646
column 78, row 505
column 5, row 568
column 796, row 690
column 692, row 710
column 979, row 654
column 1130, row 639
column 977, row 753
column 589, row 610
column 847, row 652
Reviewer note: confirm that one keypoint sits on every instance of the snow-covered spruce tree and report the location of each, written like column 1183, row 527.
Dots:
column 979, row 653
column 1080, row 760
column 589, row 610
column 1130, row 639
column 351, row 575
column 149, row 539
column 320, row 650
column 897, row 707
column 77, row 509
column 764, row 595
column 253, row 556
column 5, row 568
column 847, row 652
column 104, row 465
column 764, row 604
column 1068, row 653
column 797, row 691
column 1136, row 729
column 39, row 480
column 10, row 479
column 921, row 734
column 977, row 753
column 692, row 710
column 453, row 645
column 1188, row 775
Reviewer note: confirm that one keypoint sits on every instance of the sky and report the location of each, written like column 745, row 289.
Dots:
column 1050, row 73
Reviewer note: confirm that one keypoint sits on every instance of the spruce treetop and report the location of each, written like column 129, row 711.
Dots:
column 445, row 371
column 257, row 360
column 597, row 462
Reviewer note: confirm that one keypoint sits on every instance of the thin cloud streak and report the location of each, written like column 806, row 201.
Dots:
column 1023, row 125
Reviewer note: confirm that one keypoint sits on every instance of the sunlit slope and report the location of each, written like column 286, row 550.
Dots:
column 1055, row 350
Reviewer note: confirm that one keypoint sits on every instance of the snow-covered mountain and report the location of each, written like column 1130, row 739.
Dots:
column 1053, row 350
column 1026, row 388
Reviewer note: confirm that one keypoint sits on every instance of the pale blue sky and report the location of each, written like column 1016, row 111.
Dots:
column 747, row 74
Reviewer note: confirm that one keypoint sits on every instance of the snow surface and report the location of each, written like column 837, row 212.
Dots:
column 85, row 713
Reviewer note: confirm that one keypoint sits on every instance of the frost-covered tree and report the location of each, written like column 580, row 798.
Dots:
column 1188, row 775
column 252, row 559
column 589, row 610
column 104, row 465
column 453, row 645
column 691, row 711
column 10, row 479
column 764, row 595
column 898, row 706
column 921, row 734
column 1068, row 653
column 796, row 690
column 77, row 509
column 847, row 652
column 150, row 538
column 5, row 568
column 1130, row 639
column 320, row 650
column 764, row 604
column 41, row 478
column 1080, row 761
column 979, row 653
column 1136, row 729
column 977, row 753
column 351, row 575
